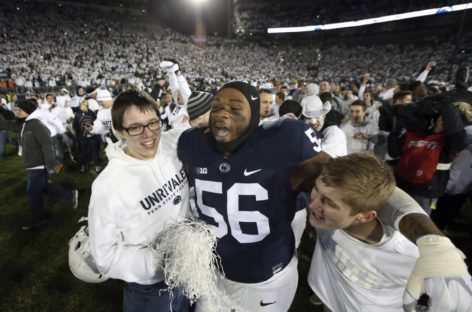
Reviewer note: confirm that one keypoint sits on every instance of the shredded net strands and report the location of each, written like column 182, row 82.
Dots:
column 190, row 261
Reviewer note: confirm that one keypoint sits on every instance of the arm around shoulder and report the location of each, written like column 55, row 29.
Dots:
column 403, row 213
column 304, row 176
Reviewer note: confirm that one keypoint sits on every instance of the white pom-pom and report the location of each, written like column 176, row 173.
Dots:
column 190, row 260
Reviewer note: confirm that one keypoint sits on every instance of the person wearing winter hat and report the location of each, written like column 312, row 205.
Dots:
column 102, row 125
column 37, row 153
column 103, row 95
column 198, row 108
column 312, row 89
column 236, row 150
column 25, row 108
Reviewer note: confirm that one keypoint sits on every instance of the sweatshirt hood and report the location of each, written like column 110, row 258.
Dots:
column 36, row 114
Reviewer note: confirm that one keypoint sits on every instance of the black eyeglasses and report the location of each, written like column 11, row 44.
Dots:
column 154, row 126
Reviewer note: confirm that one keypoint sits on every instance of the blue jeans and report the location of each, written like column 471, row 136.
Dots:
column 37, row 184
column 152, row 298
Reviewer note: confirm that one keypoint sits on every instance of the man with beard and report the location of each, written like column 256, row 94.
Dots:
column 250, row 201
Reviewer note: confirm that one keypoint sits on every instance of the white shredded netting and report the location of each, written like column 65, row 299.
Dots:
column 190, row 261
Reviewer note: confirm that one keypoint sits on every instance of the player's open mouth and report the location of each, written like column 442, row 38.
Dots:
column 220, row 132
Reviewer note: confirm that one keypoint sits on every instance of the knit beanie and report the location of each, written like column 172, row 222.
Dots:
column 198, row 104
column 252, row 96
column 26, row 106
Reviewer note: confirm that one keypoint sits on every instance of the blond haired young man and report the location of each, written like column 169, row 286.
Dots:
column 359, row 263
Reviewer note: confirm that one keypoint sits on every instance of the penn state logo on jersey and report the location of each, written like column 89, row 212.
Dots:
column 225, row 167
column 177, row 199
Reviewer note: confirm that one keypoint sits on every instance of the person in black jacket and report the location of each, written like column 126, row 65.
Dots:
column 89, row 143
column 38, row 157
column 437, row 116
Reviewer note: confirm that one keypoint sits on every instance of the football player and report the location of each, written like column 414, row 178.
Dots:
column 246, row 179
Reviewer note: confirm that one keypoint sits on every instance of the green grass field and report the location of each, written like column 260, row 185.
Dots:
column 34, row 272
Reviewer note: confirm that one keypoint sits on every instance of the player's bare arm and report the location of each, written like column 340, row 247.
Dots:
column 415, row 225
column 304, row 176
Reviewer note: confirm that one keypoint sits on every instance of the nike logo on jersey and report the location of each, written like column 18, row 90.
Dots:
column 248, row 173
column 253, row 98
column 263, row 304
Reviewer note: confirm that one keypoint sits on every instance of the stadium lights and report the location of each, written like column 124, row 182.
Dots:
column 198, row 2
column 370, row 21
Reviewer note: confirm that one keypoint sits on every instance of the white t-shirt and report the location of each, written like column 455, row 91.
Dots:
column 350, row 275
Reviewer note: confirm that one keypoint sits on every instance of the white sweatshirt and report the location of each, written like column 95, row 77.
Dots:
column 132, row 201
column 359, row 145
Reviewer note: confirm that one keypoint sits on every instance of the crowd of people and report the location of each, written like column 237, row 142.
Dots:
column 91, row 49
column 283, row 133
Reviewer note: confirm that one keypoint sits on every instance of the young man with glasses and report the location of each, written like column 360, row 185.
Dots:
column 141, row 190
